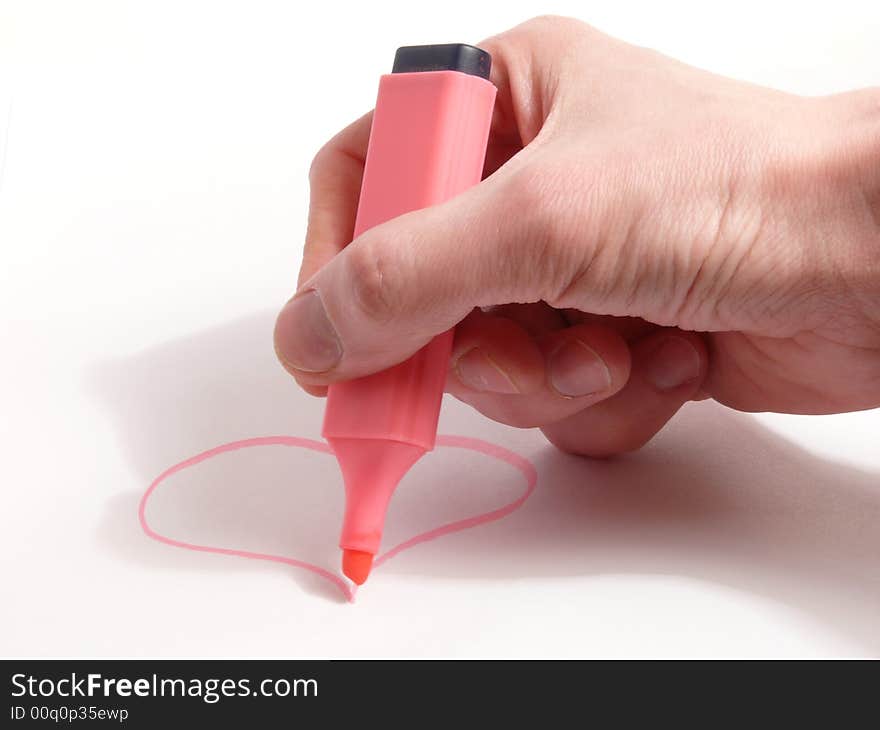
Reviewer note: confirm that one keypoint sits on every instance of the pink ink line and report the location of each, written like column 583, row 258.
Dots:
column 525, row 467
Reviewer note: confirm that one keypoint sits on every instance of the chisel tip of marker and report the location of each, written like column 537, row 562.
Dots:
column 356, row 565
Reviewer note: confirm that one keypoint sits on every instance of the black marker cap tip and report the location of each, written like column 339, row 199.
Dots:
column 443, row 57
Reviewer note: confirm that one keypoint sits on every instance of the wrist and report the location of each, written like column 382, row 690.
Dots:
column 855, row 136
column 858, row 141
column 835, row 200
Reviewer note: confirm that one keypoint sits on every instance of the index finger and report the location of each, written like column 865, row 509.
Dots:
column 334, row 187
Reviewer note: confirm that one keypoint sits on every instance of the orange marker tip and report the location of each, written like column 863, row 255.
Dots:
column 356, row 565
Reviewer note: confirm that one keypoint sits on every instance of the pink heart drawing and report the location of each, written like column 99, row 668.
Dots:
column 523, row 465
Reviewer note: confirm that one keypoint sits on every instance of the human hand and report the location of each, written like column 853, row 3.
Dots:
column 647, row 233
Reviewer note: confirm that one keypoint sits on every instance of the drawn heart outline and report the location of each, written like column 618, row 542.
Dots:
column 523, row 465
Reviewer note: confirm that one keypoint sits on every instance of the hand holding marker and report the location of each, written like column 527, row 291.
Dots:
column 648, row 234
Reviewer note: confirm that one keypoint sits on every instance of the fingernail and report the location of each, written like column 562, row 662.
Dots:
column 672, row 364
column 479, row 371
column 305, row 337
column 577, row 370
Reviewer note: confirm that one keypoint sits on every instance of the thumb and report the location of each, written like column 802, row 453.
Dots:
column 399, row 284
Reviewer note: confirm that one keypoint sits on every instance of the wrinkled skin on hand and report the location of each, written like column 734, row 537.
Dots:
column 647, row 233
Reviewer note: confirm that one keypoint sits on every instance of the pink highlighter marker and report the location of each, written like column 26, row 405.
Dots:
column 427, row 144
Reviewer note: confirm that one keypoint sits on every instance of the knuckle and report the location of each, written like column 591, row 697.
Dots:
column 370, row 280
column 556, row 24
column 524, row 189
column 625, row 443
column 521, row 420
column 319, row 162
column 542, row 246
column 529, row 197
column 604, row 448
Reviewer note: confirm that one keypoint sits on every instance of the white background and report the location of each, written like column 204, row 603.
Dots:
column 153, row 192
